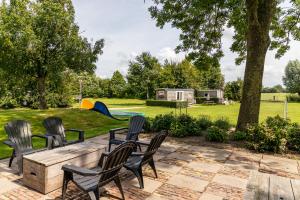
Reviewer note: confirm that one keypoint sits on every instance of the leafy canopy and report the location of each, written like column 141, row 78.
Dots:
column 292, row 76
column 202, row 24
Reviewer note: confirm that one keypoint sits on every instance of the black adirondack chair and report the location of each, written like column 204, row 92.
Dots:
column 20, row 139
column 134, row 129
column 55, row 129
column 91, row 180
column 138, row 159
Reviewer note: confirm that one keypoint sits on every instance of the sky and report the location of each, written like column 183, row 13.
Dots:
column 128, row 30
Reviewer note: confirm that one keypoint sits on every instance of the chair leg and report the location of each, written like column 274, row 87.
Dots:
column 20, row 164
column 67, row 178
column 118, row 183
column 139, row 174
column 13, row 155
column 152, row 165
column 109, row 147
column 93, row 195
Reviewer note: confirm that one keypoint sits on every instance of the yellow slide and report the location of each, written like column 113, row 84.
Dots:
column 86, row 104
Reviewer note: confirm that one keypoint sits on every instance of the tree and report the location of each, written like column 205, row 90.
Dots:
column 117, row 85
column 202, row 23
column 274, row 89
column 212, row 78
column 40, row 39
column 233, row 90
column 292, row 77
column 142, row 75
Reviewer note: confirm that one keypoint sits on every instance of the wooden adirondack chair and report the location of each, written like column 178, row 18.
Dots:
column 91, row 180
column 55, row 129
column 134, row 129
column 138, row 159
column 20, row 139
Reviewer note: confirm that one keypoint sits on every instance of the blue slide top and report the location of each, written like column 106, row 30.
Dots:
column 102, row 108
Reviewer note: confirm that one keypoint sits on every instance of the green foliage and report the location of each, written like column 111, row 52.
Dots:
column 274, row 89
column 239, row 136
column 148, row 126
column 216, row 134
column 291, row 78
column 40, row 41
column 222, row 123
column 233, row 90
column 8, row 102
column 183, row 126
column 293, row 98
column 170, row 104
column 204, row 122
column 117, row 85
column 142, row 76
column 163, row 122
column 293, row 137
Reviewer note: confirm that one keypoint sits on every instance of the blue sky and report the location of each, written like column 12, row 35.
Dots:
column 128, row 30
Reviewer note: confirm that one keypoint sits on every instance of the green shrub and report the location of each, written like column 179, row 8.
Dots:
column 239, row 136
column 293, row 137
column 203, row 122
column 171, row 104
column 293, row 98
column 184, row 126
column 8, row 102
column 263, row 138
column 222, row 123
column 216, row 134
column 163, row 122
column 55, row 100
column 148, row 124
column 277, row 122
column 200, row 100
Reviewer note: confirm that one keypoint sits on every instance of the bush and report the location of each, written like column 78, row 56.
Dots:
column 8, row 102
column 163, row 122
column 277, row 122
column 222, row 123
column 263, row 138
column 293, row 137
column 216, row 134
column 293, row 98
column 55, row 100
column 203, row 122
column 148, row 124
column 239, row 136
column 171, row 104
column 184, row 125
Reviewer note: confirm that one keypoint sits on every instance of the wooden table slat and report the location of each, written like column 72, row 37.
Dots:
column 280, row 188
column 296, row 188
column 258, row 185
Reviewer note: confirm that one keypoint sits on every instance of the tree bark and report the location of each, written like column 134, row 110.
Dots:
column 259, row 14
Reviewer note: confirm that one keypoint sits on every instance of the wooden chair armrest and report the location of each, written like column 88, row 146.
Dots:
column 79, row 170
column 10, row 143
column 80, row 133
column 137, row 154
column 112, row 132
column 143, row 143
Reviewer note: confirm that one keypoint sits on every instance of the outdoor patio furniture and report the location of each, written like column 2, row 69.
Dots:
column 56, row 130
column 91, row 180
column 134, row 129
column 20, row 139
column 138, row 159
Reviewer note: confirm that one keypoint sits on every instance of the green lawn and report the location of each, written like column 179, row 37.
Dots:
column 91, row 122
column 271, row 96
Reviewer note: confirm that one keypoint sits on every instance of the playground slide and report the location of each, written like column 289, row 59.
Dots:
column 102, row 108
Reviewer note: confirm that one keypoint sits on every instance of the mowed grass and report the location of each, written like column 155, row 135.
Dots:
column 92, row 123
column 274, row 96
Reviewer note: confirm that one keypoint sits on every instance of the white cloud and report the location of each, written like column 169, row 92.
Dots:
column 167, row 53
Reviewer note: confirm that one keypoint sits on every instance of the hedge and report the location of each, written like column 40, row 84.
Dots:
column 171, row 104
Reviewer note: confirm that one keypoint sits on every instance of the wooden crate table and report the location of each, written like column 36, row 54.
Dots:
column 42, row 170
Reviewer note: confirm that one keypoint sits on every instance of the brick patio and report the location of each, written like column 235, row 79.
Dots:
column 186, row 170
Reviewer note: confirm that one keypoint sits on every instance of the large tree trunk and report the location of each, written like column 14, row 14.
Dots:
column 260, row 14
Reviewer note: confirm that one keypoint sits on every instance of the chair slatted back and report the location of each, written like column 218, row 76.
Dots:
column 54, row 126
column 19, row 132
column 135, row 127
column 115, row 160
column 154, row 145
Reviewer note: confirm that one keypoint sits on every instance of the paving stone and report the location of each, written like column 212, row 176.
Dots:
column 167, row 167
column 187, row 181
column 149, row 184
column 203, row 175
column 6, row 185
column 211, row 153
column 203, row 166
column 206, row 196
column 234, row 171
column 181, row 156
column 225, row 191
column 231, row 181
column 277, row 163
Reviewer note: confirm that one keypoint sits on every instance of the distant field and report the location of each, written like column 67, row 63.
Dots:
column 274, row 96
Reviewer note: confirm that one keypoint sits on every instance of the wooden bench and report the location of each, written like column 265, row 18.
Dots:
column 263, row 186
column 42, row 170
